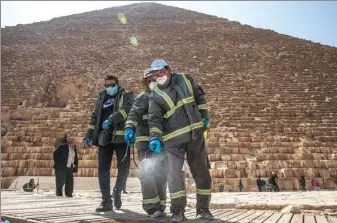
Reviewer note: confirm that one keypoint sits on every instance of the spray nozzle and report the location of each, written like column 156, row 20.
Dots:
column 152, row 149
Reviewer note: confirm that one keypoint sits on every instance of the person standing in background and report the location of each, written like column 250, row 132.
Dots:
column 65, row 164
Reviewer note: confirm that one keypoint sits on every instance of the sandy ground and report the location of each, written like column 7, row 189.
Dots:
column 287, row 202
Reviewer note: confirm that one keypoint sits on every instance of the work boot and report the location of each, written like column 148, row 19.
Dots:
column 154, row 213
column 106, row 205
column 178, row 216
column 204, row 214
column 117, row 198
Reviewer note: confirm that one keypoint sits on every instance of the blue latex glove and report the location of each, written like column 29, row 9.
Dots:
column 87, row 141
column 155, row 146
column 107, row 124
column 206, row 122
column 129, row 136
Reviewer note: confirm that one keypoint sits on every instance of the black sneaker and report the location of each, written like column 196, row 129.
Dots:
column 125, row 192
column 204, row 214
column 178, row 216
column 105, row 206
column 117, row 199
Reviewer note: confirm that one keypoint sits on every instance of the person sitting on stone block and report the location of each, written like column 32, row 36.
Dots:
column 317, row 185
column 29, row 187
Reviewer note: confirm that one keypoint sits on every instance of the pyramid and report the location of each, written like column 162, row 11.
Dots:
column 272, row 97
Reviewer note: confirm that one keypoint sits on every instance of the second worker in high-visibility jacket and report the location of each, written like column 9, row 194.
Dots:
column 177, row 118
column 152, row 165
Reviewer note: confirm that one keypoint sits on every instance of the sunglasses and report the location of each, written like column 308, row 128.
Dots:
column 158, row 73
column 110, row 85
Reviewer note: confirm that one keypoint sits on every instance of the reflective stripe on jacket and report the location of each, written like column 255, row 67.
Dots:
column 138, row 117
column 176, row 112
column 121, row 110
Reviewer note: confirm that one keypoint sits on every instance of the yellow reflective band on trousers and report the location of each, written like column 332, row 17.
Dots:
column 155, row 130
column 119, row 133
column 188, row 83
column 142, row 138
column 165, row 97
column 162, row 202
column 131, row 122
column 123, row 113
column 151, row 201
column 91, row 127
column 178, row 194
column 179, row 104
column 202, row 107
column 204, row 191
column 183, row 130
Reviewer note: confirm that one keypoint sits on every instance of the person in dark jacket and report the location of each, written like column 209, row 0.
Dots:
column 273, row 181
column 177, row 119
column 152, row 165
column 30, row 186
column 105, row 130
column 302, row 183
column 240, row 185
column 65, row 164
column 259, row 183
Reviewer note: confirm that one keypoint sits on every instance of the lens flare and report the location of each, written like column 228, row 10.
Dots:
column 133, row 40
column 122, row 17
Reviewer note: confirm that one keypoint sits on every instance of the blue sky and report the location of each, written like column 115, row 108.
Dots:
column 311, row 20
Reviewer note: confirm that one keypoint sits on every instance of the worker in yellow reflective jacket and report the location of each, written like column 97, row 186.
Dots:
column 152, row 165
column 177, row 119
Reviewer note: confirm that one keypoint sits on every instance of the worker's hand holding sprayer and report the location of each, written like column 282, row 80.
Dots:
column 155, row 146
column 129, row 136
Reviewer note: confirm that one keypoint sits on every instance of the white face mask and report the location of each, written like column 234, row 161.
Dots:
column 152, row 85
column 162, row 80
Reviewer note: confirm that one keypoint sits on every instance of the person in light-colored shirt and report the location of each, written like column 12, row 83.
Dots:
column 65, row 164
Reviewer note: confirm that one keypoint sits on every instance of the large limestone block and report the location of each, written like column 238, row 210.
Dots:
column 325, row 150
column 217, row 173
column 317, row 163
column 324, row 173
column 244, row 150
column 283, row 164
column 226, row 157
column 330, row 183
column 294, row 164
column 8, row 171
column 250, row 172
column 330, row 163
column 237, row 157
column 38, row 171
column 241, row 165
column 311, row 173
column 215, row 157
column 87, row 164
column 229, row 173
column 220, row 164
column 287, row 172
column 333, row 172
column 286, row 183
column 251, row 165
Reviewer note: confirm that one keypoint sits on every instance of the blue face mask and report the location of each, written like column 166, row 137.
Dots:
column 112, row 90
